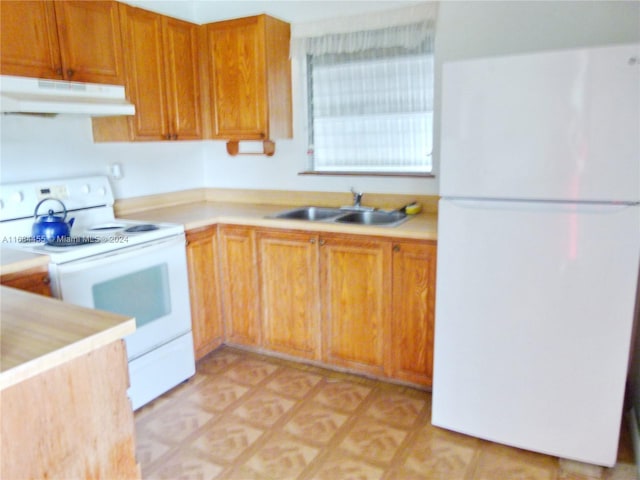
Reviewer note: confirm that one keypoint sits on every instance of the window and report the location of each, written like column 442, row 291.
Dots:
column 371, row 106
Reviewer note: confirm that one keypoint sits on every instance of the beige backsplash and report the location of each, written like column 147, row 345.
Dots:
column 271, row 197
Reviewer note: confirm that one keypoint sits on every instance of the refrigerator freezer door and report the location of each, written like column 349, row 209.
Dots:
column 561, row 125
column 534, row 313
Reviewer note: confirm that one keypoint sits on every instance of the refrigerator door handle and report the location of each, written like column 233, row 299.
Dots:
column 540, row 206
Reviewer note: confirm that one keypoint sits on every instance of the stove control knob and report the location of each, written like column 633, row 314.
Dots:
column 86, row 188
column 1, row 204
column 16, row 197
column 102, row 191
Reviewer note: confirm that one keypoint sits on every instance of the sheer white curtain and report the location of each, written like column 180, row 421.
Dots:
column 408, row 36
column 372, row 114
column 371, row 92
column 424, row 12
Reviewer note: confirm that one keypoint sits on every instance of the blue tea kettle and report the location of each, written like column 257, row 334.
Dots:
column 50, row 227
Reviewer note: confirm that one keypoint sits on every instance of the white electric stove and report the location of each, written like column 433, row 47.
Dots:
column 134, row 268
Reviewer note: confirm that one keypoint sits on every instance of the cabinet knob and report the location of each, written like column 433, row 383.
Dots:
column 321, row 241
column 312, row 241
column 70, row 73
column 174, row 136
column 396, row 248
column 59, row 71
column 46, row 280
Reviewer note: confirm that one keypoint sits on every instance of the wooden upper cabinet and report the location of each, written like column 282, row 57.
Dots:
column 356, row 294
column 289, row 282
column 182, row 78
column 163, row 80
column 90, row 39
column 146, row 88
column 29, row 39
column 412, row 323
column 250, row 79
column 238, row 78
column 70, row 40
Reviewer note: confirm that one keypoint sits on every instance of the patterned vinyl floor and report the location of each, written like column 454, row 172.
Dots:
column 244, row 416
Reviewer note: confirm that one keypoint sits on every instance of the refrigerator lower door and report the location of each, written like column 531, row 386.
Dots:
column 534, row 314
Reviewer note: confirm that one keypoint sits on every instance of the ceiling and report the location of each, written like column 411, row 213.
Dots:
column 292, row 11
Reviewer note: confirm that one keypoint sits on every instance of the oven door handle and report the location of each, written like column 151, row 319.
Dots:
column 122, row 254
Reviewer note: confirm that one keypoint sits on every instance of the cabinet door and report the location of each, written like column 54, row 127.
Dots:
column 412, row 320
column 90, row 41
column 239, row 279
column 183, row 78
column 278, row 74
column 34, row 280
column 238, row 80
column 290, row 299
column 145, row 69
column 204, row 290
column 29, row 39
column 356, row 293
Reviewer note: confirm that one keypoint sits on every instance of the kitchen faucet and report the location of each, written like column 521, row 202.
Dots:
column 357, row 202
column 357, row 198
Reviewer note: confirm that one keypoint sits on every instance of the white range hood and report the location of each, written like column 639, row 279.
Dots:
column 44, row 96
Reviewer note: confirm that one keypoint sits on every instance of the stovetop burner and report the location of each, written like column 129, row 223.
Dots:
column 107, row 227
column 147, row 227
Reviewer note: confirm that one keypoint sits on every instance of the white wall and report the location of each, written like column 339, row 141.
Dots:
column 33, row 148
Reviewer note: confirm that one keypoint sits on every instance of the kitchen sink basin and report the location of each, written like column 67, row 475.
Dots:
column 378, row 218
column 311, row 213
column 344, row 215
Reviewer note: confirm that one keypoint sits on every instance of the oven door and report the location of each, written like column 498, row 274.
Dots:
column 148, row 282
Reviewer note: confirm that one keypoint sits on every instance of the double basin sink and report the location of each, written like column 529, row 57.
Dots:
column 353, row 216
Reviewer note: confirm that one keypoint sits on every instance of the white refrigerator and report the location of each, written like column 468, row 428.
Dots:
column 538, row 248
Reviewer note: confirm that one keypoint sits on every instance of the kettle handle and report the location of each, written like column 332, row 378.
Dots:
column 64, row 208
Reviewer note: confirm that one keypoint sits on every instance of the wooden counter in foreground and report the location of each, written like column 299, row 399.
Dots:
column 39, row 333
column 64, row 377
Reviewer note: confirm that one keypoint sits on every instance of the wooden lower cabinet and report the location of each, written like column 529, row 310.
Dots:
column 356, row 301
column 239, row 284
column 71, row 421
column 289, row 282
column 34, row 280
column 413, row 317
column 204, row 290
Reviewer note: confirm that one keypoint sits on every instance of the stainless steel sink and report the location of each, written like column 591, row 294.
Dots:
column 311, row 213
column 378, row 218
column 341, row 215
